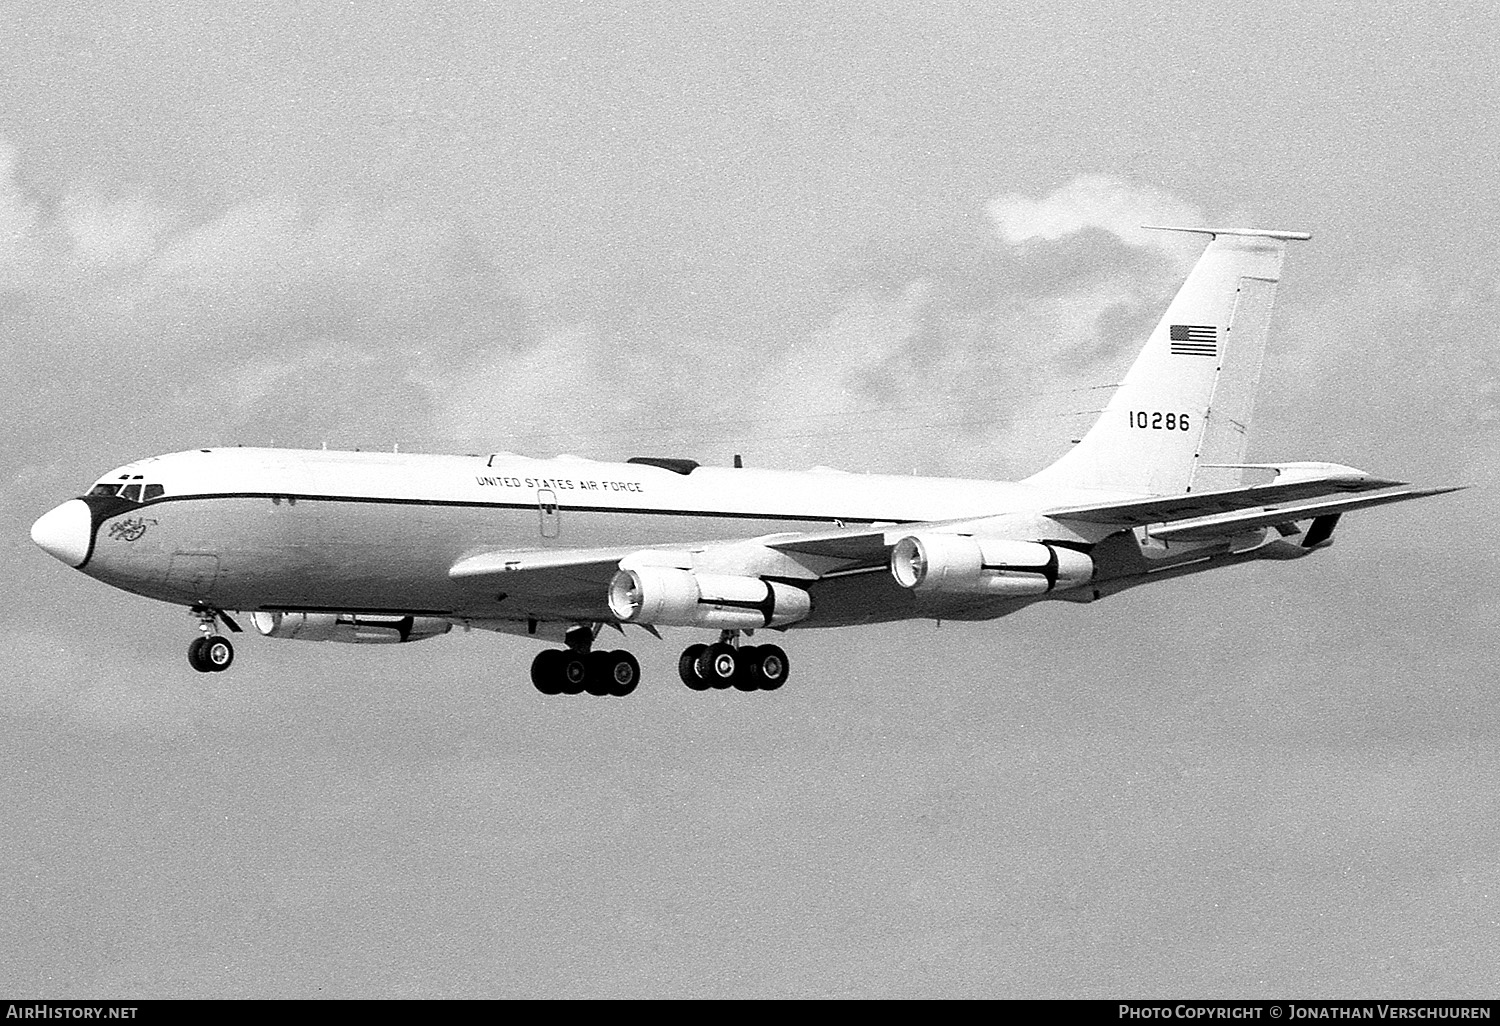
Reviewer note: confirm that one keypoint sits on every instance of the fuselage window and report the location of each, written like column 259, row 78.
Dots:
column 131, row 492
column 152, row 492
column 105, row 489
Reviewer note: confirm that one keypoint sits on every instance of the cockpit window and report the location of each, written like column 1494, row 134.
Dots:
column 132, row 489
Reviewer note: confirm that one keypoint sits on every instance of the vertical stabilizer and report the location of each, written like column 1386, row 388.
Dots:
column 1188, row 397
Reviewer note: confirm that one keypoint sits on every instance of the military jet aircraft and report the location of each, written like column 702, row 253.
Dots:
column 373, row 547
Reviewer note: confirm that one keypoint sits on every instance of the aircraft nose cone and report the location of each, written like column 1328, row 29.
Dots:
column 64, row 532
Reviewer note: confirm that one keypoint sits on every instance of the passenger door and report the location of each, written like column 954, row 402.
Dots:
column 551, row 519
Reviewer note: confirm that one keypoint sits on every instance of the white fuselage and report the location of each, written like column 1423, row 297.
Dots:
column 250, row 529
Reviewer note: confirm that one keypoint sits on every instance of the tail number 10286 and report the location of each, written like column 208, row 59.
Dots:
column 1154, row 421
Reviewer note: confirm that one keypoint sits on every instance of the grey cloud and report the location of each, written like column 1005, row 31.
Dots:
column 933, row 361
column 344, row 311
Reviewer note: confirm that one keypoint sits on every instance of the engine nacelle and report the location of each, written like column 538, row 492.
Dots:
column 350, row 628
column 681, row 598
column 959, row 564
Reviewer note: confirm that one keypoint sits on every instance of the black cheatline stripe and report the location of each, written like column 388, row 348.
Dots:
column 562, row 507
column 102, row 508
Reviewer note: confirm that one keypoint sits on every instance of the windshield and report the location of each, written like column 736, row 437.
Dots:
column 133, row 489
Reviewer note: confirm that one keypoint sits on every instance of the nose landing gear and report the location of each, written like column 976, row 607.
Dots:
column 210, row 652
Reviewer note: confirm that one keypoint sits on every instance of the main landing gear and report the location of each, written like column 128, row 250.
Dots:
column 210, row 652
column 576, row 669
column 727, row 663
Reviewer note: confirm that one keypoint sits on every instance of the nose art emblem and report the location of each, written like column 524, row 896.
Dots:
column 130, row 529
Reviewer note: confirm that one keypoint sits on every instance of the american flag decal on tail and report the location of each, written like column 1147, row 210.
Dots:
column 1194, row 340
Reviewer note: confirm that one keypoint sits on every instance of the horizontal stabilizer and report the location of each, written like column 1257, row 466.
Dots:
column 1133, row 513
column 1227, row 524
column 1255, row 233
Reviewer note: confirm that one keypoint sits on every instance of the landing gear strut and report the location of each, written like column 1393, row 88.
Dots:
column 209, row 652
column 727, row 663
column 577, row 668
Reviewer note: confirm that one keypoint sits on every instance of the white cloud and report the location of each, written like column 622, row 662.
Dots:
column 18, row 217
column 81, row 231
column 981, row 369
column 1095, row 201
column 112, row 234
column 940, row 375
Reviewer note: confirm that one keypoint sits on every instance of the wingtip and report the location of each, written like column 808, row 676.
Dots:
column 1408, row 491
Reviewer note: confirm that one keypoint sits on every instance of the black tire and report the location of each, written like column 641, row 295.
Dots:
column 572, row 672
column 687, row 667
column 772, row 668
column 217, row 653
column 600, row 665
column 747, row 675
column 624, row 673
column 196, row 659
column 546, row 671
column 718, row 665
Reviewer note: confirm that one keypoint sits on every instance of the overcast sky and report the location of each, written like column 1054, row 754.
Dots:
column 879, row 237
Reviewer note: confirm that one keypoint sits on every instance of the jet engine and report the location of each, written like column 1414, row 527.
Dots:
column 351, row 628
column 681, row 598
column 963, row 565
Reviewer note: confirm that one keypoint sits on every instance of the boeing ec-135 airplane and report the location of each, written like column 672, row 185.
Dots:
column 374, row 547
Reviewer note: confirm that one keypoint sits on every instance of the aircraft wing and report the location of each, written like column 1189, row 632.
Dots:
column 1193, row 505
column 575, row 582
column 556, row 573
column 856, row 545
column 1208, row 528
